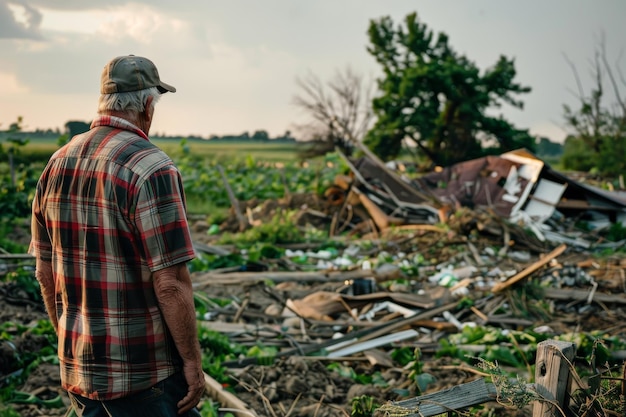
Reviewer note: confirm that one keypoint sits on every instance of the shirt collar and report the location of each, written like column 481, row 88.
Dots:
column 119, row 123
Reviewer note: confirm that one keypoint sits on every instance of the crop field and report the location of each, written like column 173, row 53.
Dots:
column 276, row 152
column 282, row 239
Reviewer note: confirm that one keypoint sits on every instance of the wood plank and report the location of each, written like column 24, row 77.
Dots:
column 243, row 221
column 583, row 295
column 227, row 400
column 532, row 268
column 459, row 397
column 206, row 279
column 352, row 337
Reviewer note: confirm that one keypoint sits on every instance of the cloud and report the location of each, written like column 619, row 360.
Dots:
column 9, row 85
column 18, row 20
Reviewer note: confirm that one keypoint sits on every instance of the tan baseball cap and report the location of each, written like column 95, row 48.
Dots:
column 131, row 73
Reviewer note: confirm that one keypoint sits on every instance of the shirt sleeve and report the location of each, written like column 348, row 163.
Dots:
column 40, row 246
column 161, row 220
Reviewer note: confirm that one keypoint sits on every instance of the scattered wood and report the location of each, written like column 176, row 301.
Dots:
column 457, row 398
column 529, row 270
column 243, row 221
column 228, row 401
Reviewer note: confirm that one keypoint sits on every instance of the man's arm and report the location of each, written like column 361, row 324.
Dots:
column 43, row 272
column 174, row 292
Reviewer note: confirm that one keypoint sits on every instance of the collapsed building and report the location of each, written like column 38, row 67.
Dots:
column 516, row 185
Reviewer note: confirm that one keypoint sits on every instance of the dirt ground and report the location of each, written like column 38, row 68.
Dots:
column 299, row 385
column 296, row 386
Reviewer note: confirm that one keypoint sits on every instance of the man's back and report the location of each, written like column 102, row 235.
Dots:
column 111, row 242
column 97, row 198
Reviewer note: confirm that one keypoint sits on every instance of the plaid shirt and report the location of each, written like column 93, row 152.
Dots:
column 108, row 211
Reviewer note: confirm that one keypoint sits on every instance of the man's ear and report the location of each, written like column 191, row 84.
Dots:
column 147, row 111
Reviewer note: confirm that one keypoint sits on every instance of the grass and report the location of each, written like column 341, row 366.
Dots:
column 205, row 206
column 43, row 148
column 273, row 152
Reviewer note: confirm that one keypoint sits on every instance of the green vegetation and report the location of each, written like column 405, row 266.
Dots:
column 429, row 93
column 438, row 98
column 599, row 125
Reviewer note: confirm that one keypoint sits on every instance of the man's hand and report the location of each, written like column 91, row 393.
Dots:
column 195, row 379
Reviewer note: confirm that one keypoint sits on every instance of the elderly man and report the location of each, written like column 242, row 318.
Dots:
column 111, row 239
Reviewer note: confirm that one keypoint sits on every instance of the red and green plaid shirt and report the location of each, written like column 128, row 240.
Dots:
column 108, row 211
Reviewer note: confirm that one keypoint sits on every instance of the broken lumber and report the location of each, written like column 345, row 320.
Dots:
column 228, row 400
column 532, row 268
column 459, row 397
column 350, row 338
column 583, row 295
column 243, row 221
column 202, row 280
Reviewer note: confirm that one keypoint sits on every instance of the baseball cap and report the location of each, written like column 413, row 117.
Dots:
column 131, row 73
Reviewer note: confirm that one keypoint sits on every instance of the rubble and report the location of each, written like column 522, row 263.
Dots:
column 475, row 231
column 414, row 262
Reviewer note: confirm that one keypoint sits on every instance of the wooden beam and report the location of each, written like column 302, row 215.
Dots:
column 243, row 221
column 227, row 400
column 206, row 279
column 532, row 268
column 570, row 294
column 459, row 397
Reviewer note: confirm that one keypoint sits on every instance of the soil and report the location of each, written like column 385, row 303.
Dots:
column 298, row 385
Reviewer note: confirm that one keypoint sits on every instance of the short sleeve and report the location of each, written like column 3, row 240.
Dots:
column 161, row 221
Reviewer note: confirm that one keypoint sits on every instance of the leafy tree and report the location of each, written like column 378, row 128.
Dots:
column 576, row 155
column 545, row 147
column 439, row 98
column 261, row 135
column 598, row 125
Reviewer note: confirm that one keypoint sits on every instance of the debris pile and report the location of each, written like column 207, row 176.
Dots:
column 425, row 266
column 418, row 261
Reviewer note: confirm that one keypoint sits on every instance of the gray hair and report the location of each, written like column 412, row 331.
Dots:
column 132, row 101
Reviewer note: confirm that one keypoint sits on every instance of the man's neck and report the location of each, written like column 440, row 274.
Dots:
column 130, row 117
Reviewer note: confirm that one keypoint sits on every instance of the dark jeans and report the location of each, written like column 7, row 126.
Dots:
column 158, row 401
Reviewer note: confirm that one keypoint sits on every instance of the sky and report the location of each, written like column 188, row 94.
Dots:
column 235, row 63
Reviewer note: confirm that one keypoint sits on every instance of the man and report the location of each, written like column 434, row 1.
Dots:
column 111, row 239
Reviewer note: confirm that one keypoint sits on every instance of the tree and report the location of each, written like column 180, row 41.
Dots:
column 76, row 127
column 598, row 125
column 576, row 155
column 260, row 135
column 545, row 147
column 438, row 98
column 339, row 112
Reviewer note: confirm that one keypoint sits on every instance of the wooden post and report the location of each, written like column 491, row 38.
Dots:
column 243, row 222
column 552, row 377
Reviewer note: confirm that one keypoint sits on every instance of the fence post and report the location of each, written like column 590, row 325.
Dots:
column 552, row 377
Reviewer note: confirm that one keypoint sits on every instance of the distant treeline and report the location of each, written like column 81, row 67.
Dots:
column 75, row 127
column 258, row 137
column 545, row 148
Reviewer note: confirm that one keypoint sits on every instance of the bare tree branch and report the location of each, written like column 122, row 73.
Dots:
column 607, row 68
column 339, row 111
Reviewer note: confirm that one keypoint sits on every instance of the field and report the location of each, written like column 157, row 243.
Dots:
column 265, row 151
column 282, row 199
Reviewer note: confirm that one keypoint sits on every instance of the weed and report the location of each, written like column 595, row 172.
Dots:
column 363, row 406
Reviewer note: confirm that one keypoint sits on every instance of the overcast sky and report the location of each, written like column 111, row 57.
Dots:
column 235, row 62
